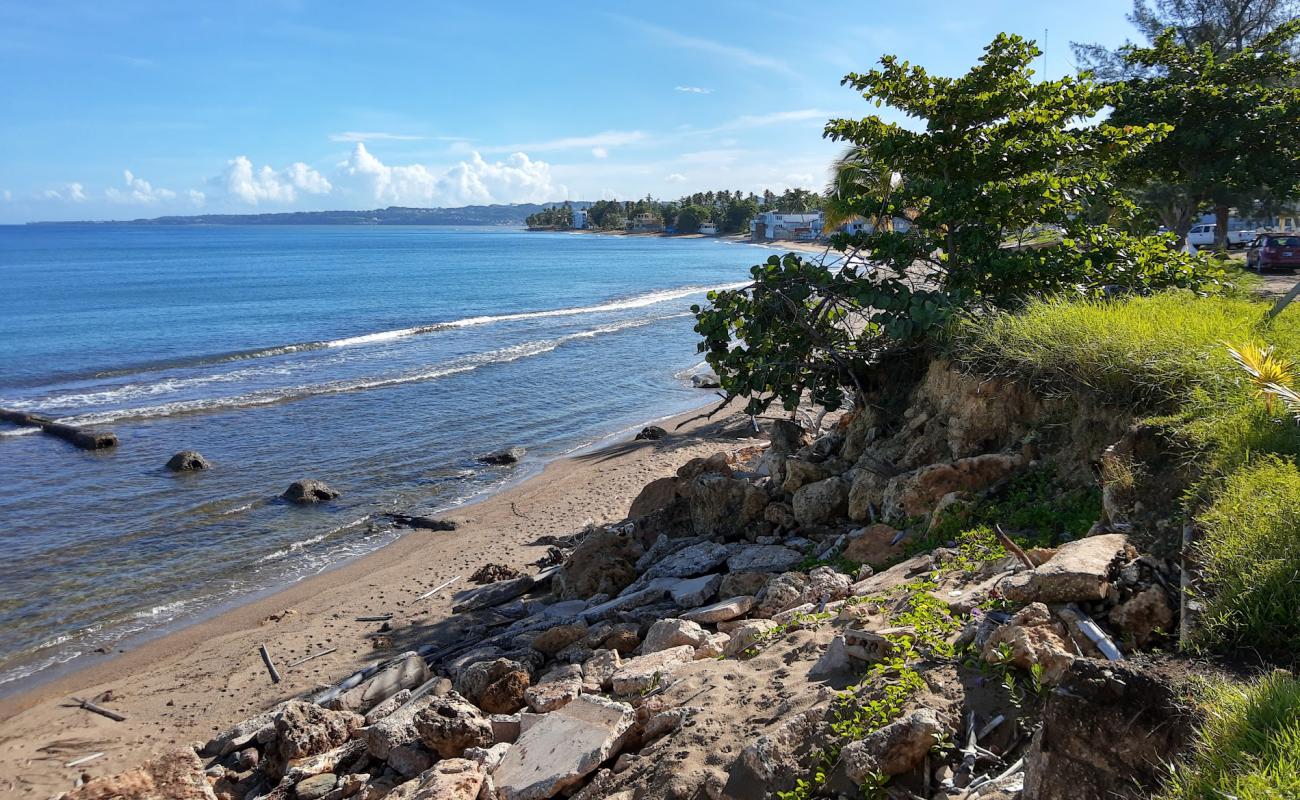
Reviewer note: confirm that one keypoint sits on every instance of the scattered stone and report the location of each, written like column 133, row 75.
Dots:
column 240, row 736
column 782, row 592
column 553, row 640
column 552, row 694
column 329, row 761
column 666, row 722
column 822, row 502
column 826, row 584
column 800, row 473
column 1080, row 571
column 473, row 680
column 510, row 455
column 747, row 634
column 716, row 464
column 449, row 779
column 781, row 515
column 187, row 461
column 448, row 725
column 493, row 594
column 874, row 545
column 622, row 639
column 409, row 760
column 721, row 611
column 897, row 748
column 602, row 563
column 654, row 496
column 736, row 584
column 668, row 633
column 1034, row 638
column 395, row 730
column 492, row 573
column 689, row 562
column 599, row 670
column 639, row 674
column 309, row 491
column 1144, row 616
column 787, row 437
column 506, row 694
column 692, row 592
column 652, row 433
column 562, row 748
column 505, row 727
column 175, row 775
column 305, row 729
column 764, row 558
column 315, row 787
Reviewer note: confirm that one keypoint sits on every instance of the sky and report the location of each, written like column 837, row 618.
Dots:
column 120, row 110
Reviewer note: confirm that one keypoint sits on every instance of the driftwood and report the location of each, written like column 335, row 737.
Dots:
column 270, row 667
column 494, row 594
column 86, row 440
column 98, row 709
column 437, row 589
column 375, row 618
column 305, row 659
column 349, row 682
column 1012, row 547
column 83, row 760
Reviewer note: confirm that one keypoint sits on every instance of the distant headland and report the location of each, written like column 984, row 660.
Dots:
column 514, row 214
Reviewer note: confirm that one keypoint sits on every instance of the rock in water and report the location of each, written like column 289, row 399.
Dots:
column 510, row 455
column 705, row 380
column 309, row 490
column 652, row 433
column 187, row 461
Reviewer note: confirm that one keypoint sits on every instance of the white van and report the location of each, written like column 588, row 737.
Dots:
column 1203, row 236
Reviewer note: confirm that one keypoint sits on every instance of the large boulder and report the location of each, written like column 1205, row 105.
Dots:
column 866, row 492
column 174, row 775
column 656, row 495
column 721, row 611
column 187, row 461
column 874, row 545
column 667, row 633
column 304, row 729
column 723, row 506
column 395, row 730
column 1080, row 571
column 603, row 563
column 562, row 748
column 821, row 502
column 916, row 493
column 895, row 749
column 764, row 558
column 636, row 675
column 308, row 491
column 448, row 725
column 800, row 473
column 449, row 779
column 1108, row 731
column 510, row 455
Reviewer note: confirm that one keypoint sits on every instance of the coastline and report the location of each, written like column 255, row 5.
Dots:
column 175, row 689
column 733, row 238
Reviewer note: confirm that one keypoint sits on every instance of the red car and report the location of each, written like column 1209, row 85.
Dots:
column 1274, row 251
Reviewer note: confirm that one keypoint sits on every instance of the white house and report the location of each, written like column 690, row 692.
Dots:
column 770, row 225
column 709, row 229
column 579, row 218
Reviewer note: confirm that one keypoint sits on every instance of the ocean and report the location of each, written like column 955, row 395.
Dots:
column 381, row 360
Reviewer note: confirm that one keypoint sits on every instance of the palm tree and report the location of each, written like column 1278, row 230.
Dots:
column 859, row 190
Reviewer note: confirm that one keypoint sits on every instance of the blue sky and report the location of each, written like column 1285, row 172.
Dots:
column 118, row 110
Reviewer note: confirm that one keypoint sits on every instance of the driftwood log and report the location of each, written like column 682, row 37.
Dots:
column 86, row 440
column 270, row 666
column 105, row 712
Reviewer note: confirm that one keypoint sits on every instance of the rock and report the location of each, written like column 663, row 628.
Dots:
column 315, row 787
column 493, row 594
column 715, row 644
column 867, row 490
column 408, row 673
column 764, row 558
column 652, row 433
column 622, row 639
column 775, row 760
column 736, row 584
column 916, row 493
column 395, row 730
column 692, row 592
column 187, row 461
column 309, row 491
column 329, row 761
column 423, row 522
column 448, row 725
column 897, row 748
column 550, row 695
column 1107, row 731
column 636, row 675
column 822, row 502
column 826, row 584
column 449, row 779
column 668, row 633
column 602, row 563
column 723, row 506
column 835, row 660
column 1034, row 638
column 781, row 515
column 305, row 729
column 874, row 546
column 510, row 455
column 697, row 559
column 1080, row 571
column 1144, row 616
column 409, row 760
column 705, row 380
column 562, row 748
column 716, row 464
column 800, row 473
column 655, row 496
column 719, row 612
column 488, row 757
column 507, row 694
column 174, row 775
column 599, row 670
column 473, row 680
column 782, row 592
column 787, row 437
column 553, row 640
column 506, row 727
column 747, row 634
column 241, row 735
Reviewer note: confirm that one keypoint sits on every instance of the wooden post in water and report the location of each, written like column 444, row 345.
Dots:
column 86, row 440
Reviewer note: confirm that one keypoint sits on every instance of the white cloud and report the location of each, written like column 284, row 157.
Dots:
column 517, row 179
column 242, row 182
column 774, row 118
column 603, row 139
column 676, row 177
column 693, row 89
column 69, row 192
column 196, row 197
column 138, row 191
column 600, row 152
column 709, row 46
column 373, row 136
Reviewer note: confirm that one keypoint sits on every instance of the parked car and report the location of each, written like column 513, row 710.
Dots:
column 1203, row 236
column 1274, row 251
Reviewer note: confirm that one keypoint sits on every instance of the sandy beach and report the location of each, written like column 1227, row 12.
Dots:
column 185, row 686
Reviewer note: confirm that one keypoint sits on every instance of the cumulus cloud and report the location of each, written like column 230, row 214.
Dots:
column 693, row 89
column 68, row 192
column 196, row 197
column 517, row 179
column 600, row 152
column 241, row 181
column 138, row 191
column 676, row 177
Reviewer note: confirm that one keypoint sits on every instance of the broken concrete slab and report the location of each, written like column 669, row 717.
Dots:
column 563, row 747
column 764, row 558
column 1080, row 571
column 640, row 673
column 721, row 611
column 692, row 592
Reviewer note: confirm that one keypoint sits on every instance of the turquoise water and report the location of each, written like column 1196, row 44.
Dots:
column 380, row 360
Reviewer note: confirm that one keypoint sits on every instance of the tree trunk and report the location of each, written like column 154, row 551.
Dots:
column 1221, row 227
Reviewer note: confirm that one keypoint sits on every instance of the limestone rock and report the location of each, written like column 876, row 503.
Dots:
column 1144, row 616
column 782, row 592
column 449, row 779
column 874, row 546
column 506, row 694
column 787, row 437
column 668, row 633
column 395, row 730
column 241, row 735
column 894, row 749
column 1034, row 638
column 721, row 611
column 736, row 584
column 448, row 725
column 867, row 490
column 691, row 561
column 747, row 634
column 723, row 506
column 800, row 473
column 187, row 461
column 315, row 787
column 775, row 760
column 473, row 680
column 1080, row 571
column 408, row 673
column 553, row 640
column 562, row 748
column 916, row 493
column 640, row 673
column 309, row 490
column 692, row 592
column 655, row 496
column 175, row 775
column 764, row 558
column 822, row 502
column 827, row 584
column 600, row 668
column 510, row 455
column 304, row 729
column 549, row 695
column 602, row 563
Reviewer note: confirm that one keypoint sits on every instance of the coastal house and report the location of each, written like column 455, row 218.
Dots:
column 579, row 218
column 771, row 226
column 709, row 229
column 645, row 222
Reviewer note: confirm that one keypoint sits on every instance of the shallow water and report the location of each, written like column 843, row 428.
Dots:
column 380, row 360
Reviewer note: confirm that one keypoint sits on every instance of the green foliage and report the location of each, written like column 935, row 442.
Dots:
column 557, row 216
column 1249, row 745
column 691, row 217
column 1250, row 559
column 1232, row 116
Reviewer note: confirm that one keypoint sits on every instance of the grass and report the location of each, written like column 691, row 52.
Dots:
column 1250, row 557
column 1249, row 746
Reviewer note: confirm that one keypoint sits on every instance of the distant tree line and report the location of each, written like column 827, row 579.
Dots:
column 730, row 210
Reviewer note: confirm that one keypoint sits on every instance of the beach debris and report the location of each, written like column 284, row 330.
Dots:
column 652, row 433
column 492, row 573
column 425, row 523
column 270, row 666
column 305, row 659
column 375, row 618
column 81, row 702
column 86, row 440
column 309, row 490
column 83, row 760
column 563, row 747
column 1080, row 571
column 437, row 589
column 188, row 461
column 510, row 455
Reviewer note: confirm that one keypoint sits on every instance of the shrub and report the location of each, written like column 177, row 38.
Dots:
column 1250, row 559
column 1249, row 745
